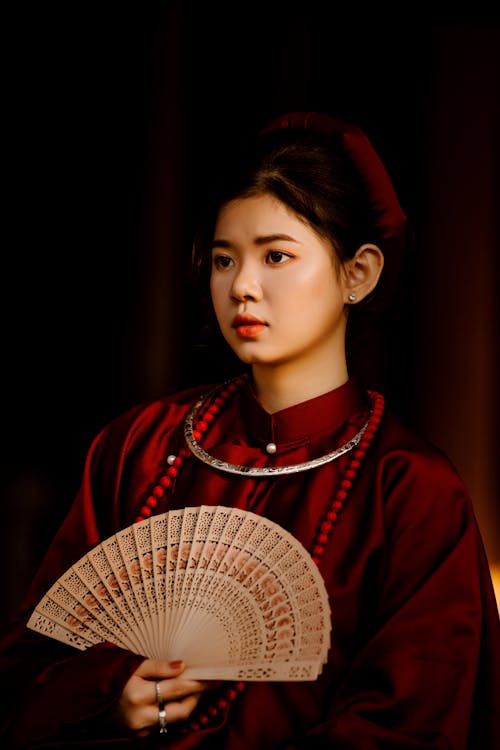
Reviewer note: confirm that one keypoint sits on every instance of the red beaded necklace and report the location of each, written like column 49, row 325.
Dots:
column 208, row 413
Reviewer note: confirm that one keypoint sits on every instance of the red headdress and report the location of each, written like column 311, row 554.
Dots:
column 389, row 219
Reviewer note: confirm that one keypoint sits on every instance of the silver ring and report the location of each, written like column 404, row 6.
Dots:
column 158, row 694
column 162, row 718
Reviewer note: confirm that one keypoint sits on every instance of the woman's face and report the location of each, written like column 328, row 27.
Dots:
column 277, row 293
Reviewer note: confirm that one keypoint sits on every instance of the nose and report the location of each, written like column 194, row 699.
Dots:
column 245, row 284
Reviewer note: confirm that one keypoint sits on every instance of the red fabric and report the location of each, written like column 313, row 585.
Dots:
column 391, row 220
column 388, row 216
column 415, row 657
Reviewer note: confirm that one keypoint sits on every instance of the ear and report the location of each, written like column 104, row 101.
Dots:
column 362, row 272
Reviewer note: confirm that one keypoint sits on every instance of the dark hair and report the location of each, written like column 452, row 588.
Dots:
column 310, row 174
column 314, row 175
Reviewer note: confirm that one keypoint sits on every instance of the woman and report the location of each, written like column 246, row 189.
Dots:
column 298, row 235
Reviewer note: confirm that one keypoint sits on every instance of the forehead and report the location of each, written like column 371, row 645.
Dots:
column 260, row 216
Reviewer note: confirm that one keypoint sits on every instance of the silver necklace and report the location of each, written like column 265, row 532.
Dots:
column 257, row 471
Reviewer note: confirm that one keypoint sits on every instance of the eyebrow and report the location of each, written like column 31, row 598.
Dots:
column 264, row 240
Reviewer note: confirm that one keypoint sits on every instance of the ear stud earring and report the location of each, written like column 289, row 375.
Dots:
column 352, row 298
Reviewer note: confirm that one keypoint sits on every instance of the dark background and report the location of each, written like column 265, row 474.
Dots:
column 115, row 117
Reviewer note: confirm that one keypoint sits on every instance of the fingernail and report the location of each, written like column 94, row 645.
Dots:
column 176, row 664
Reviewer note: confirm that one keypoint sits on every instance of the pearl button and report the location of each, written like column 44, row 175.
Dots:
column 271, row 447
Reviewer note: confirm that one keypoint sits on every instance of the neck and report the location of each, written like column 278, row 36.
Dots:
column 277, row 388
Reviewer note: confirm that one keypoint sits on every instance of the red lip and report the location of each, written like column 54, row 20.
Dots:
column 247, row 327
column 246, row 320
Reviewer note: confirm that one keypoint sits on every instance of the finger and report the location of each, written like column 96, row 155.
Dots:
column 151, row 669
column 140, row 713
column 177, row 688
column 211, row 684
column 175, row 711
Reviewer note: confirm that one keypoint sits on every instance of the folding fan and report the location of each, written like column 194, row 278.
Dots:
column 230, row 592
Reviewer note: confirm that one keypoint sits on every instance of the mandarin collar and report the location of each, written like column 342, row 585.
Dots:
column 298, row 423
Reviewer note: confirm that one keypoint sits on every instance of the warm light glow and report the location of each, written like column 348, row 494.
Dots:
column 495, row 575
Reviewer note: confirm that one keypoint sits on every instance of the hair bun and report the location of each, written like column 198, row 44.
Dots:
column 389, row 218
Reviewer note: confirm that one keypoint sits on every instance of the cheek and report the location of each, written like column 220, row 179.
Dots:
column 314, row 288
column 218, row 292
column 214, row 287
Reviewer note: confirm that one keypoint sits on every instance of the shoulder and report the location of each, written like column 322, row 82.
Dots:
column 415, row 476
column 161, row 415
column 400, row 445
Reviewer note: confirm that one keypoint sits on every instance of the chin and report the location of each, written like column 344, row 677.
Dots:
column 246, row 357
column 243, row 350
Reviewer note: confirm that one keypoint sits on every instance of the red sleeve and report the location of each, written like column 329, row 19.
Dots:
column 69, row 690
column 60, row 685
column 69, row 701
column 428, row 673
column 415, row 661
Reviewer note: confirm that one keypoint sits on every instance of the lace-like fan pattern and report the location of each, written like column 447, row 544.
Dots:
column 232, row 593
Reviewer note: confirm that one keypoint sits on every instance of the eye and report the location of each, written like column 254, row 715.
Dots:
column 276, row 257
column 221, row 262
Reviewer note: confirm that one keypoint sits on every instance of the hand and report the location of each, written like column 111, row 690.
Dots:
column 138, row 708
